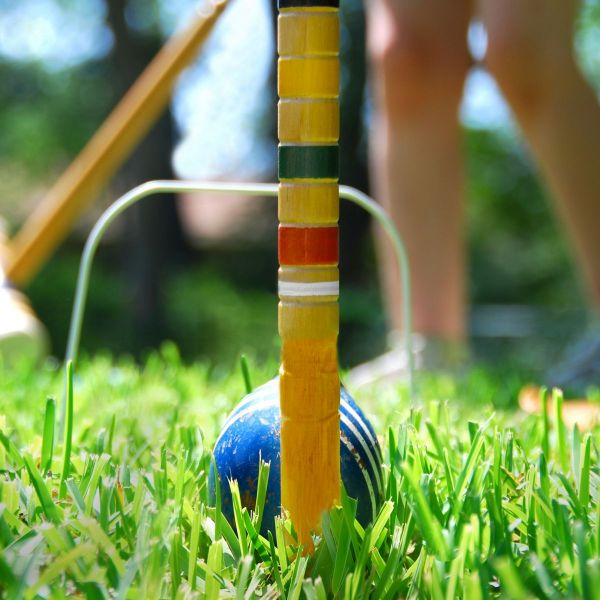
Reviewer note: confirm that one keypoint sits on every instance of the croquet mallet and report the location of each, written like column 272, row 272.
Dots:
column 308, row 125
column 45, row 229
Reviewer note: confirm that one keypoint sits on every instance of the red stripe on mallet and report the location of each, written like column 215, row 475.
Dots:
column 308, row 245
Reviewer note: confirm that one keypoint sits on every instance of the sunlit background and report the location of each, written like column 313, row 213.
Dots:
column 65, row 63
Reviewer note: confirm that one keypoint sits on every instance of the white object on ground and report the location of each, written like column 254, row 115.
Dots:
column 22, row 336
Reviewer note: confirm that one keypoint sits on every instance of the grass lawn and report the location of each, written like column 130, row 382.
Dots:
column 480, row 501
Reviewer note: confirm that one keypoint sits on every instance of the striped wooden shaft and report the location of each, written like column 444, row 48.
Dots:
column 308, row 123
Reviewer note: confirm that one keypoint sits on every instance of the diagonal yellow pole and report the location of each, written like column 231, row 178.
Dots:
column 308, row 85
column 127, row 124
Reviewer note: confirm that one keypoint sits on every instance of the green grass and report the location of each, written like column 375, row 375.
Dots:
column 479, row 502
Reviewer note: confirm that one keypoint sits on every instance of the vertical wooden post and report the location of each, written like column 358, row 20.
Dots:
column 308, row 124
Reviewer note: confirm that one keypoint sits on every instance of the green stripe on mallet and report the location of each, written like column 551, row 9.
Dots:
column 308, row 162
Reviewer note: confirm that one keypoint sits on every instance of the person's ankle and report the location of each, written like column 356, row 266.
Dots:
column 433, row 352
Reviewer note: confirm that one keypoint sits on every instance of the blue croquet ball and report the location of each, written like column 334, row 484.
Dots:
column 253, row 430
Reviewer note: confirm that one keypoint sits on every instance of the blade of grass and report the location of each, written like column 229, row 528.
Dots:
column 431, row 528
column 258, row 543
column 342, row 557
column 214, row 564
column 111, row 434
column 76, row 495
column 382, row 520
column 275, row 562
column 261, row 493
column 314, row 590
column 96, row 534
column 582, row 558
column 576, row 454
column 297, row 578
column 229, row 535
column 15, row 456
column 458, row 564
column 281, row 545
column 66, row 461
column 510, row 580
column 60, row 565
column 246, row 373
column 386, row 579
column 218, row 505
column 469, row 466
column 544, row 579
column 193, row 553
column 52, row 512
column 18, row 589
column 545, row 422
column 584, row 475
column 349, row 508
column 442, row 456
column 238, row 517
column 175, row 562
column 48, row 435
column 561, row 434
column 90, row 492
column 241, row 584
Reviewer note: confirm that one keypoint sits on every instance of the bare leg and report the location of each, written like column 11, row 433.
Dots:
column 530, row 53
column 419, row 61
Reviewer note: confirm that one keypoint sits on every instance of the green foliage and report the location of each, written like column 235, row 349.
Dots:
column 517, row 249
column 203, row 327
column 477, row 504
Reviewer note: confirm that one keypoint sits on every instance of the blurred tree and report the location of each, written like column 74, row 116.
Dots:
column 355, row 241
column 153, row 241
column 49, row 108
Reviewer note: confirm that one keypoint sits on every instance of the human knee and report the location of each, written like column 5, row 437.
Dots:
column 411, row 69
column 526, row 65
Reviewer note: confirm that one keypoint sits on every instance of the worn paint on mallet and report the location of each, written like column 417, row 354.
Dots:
column 308, row 85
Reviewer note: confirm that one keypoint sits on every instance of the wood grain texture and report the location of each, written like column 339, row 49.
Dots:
column 308, row 274
column 308, row 34
column 301, row 321
column 308, row 123
column 317, row 203
column 308, row 77
column 308, row 245
column 309, row 120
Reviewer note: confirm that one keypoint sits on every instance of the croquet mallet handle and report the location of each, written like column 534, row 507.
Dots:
column 308, row 125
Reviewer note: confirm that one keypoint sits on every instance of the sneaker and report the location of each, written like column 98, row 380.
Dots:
column 429, row 354
column 579, row 373
column 22, row 336
column 578, row 376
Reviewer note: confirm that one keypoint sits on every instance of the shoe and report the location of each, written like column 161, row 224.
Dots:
column 429, row 354
column 579, row 374
column 22, row 336
column 578, row 411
